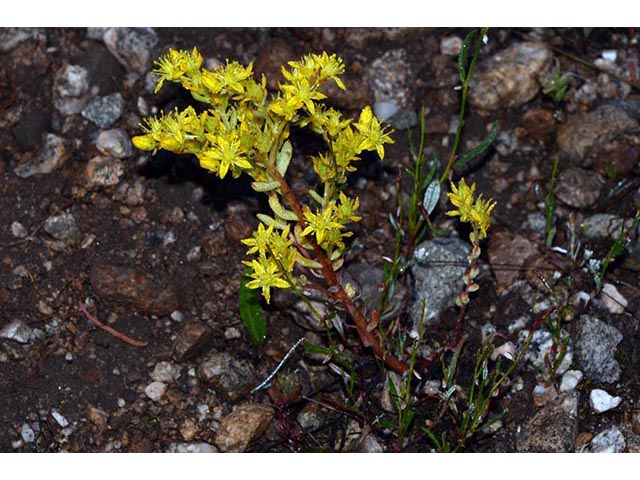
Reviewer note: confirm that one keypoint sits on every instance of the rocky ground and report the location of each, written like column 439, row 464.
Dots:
column 92, row 230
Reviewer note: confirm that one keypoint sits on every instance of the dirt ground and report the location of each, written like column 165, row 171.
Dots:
column 156, row 253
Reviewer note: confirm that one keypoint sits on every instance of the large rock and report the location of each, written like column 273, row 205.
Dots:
column 509, row 78
column 132, row 47
column 607, row 138
column 438, row 269
column 553, row 429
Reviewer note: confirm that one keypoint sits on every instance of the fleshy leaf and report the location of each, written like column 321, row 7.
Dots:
column 284, row 157
column 431, row 196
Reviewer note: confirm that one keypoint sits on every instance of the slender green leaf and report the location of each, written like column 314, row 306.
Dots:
column 464, row 55
column 265, row 186
column 250, row 311
column 480, row 149
column 317, row 349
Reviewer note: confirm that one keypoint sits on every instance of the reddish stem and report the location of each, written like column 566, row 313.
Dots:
column 112, row 331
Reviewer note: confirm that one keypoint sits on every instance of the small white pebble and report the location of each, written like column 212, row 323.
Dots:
column 231, row 333
column 601, row 401
column 28, row 435
column 18, row 230
column 610, row 55
column 177, row 316
column 121, row 402
column 68, row 357
column 155, row 390
column 63, row 422
column 570, row 380
column 613, row 299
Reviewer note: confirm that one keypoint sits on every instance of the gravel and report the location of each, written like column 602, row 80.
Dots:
column 601, row 401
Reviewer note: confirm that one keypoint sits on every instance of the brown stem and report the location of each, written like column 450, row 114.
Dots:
column 369, row 339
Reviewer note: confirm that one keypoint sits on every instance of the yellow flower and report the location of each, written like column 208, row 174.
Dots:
column 266, row 275
column 323, row 225
column 260, row 240
column 477, row 212
column 374, row 136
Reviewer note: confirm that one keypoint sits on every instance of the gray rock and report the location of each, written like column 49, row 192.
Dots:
column 579, row 188
column 404, row 119
column 70, row 87
column 390, row 78
column 612, row 299
column 509, row 78
column 603, row 225
column 246, row 423
column 96, row 33
column 132, row 47
column 230, row 377
column 600, row 137
column 114, row 143
column 385, row 109
column 610, row 440
column 194, row 339
column 62, row 227
column 601, row 401
column 194, row 447
column 105, row 110
column 595, row 346
column 155, row 390
column 103, row 171
column 438, row 269
column 570, row 380
column 166, row 372
column 12, row 36
column 553, row 429
column 55, row 152
column 18, row 230
column 16, row 330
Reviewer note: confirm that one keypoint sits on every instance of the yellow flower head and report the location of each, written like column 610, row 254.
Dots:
column 476, row 212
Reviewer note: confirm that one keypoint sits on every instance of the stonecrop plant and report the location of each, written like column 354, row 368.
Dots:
column 245, row 130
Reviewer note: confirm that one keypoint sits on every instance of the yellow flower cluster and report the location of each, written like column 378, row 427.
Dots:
column 477, row 213
column 243, row 129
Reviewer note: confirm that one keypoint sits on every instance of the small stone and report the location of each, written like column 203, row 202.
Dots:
column 16, row 330
column 229, row 376
column 177, row 316
column 11, row 37
column 55, row 152
column 595, row 345
column 59, row 418
column 97, row 417
column 570, row 380
column 543, row 394
column 103, row 171
column 509, row 78
column 232, row 333
column 105, row 110
column 451, row 46
column 166, row 372
column 608, row 441
column 438, row 270
column 27, row 433
column 193, row 340
column 62, row 227
column 70, row 86
column 540, row 348
column 155, row 390
column 404, row 119
column 18, row 230
column 579, row 188
column 188, row 430
column 194, row 254
column 131, row 286
column 385, row 109
column 601, row 401
column 132, row 47
column 246, row 423
column 196, row 447
column 506, row 248
column 114, row 143
column 612, row 299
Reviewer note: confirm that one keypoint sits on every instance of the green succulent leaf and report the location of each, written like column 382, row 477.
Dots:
column 480, row 149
